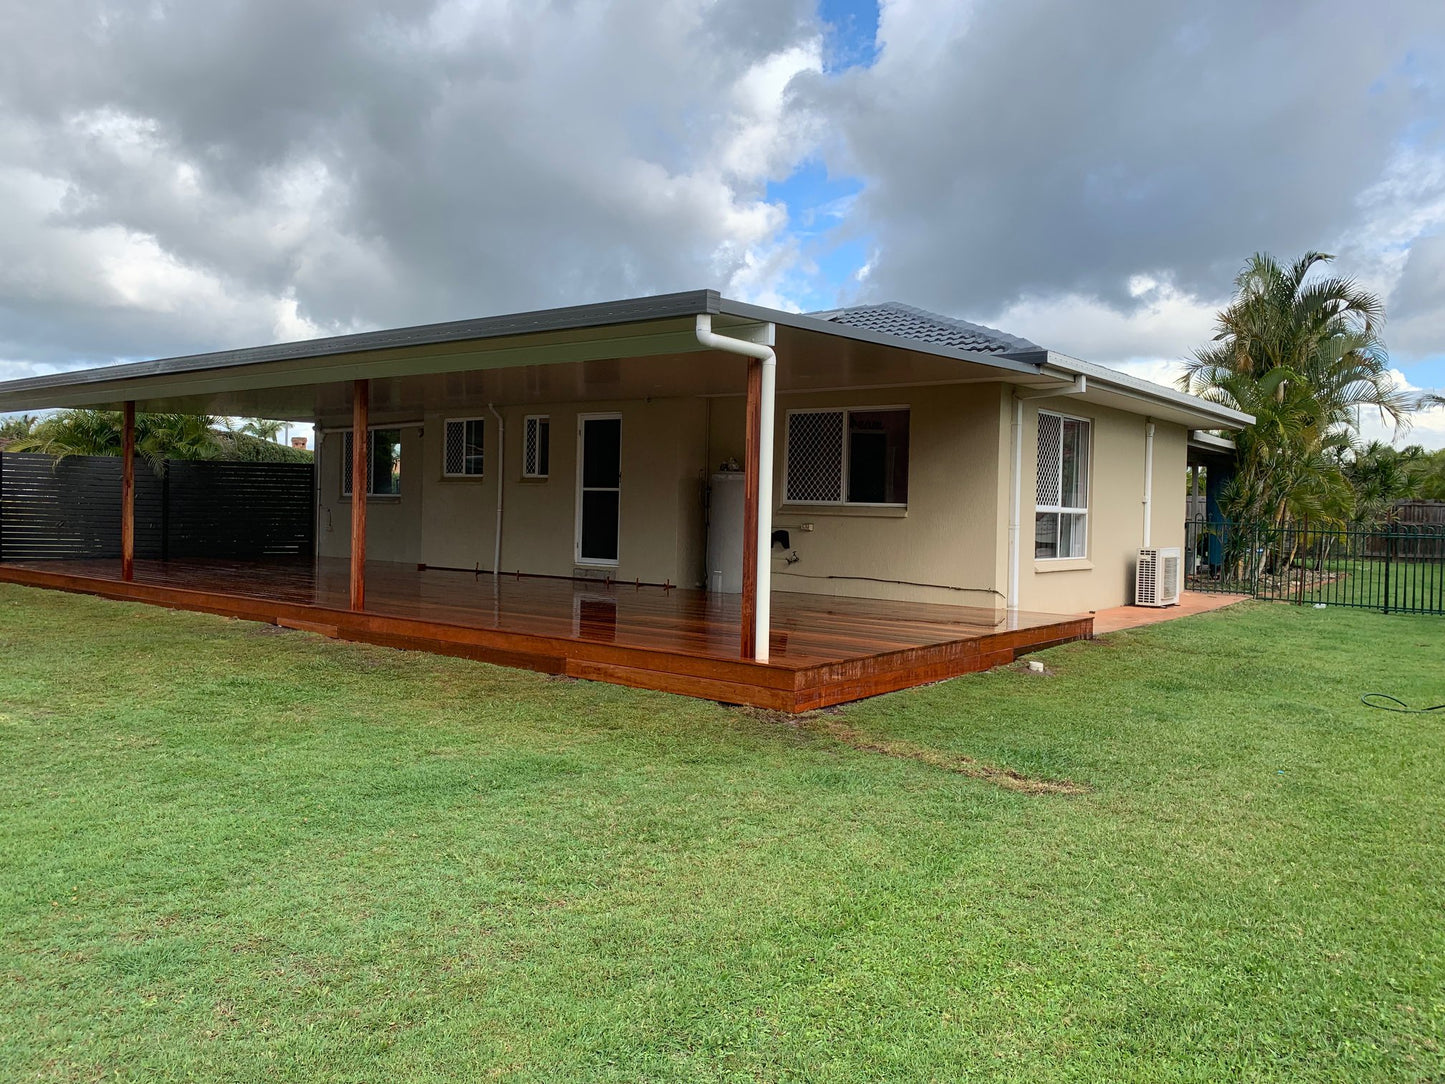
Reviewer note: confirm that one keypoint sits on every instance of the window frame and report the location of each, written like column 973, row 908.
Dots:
column 464, row 475
column 1060, row 510
column 843, row 501
column 527, row 420
column 345, row 480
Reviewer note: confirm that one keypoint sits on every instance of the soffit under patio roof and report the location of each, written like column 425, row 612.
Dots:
column 634, row 349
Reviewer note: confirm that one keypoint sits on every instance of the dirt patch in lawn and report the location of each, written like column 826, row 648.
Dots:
column 827, row 724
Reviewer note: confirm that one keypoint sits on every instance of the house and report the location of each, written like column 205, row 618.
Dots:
column 686, row 492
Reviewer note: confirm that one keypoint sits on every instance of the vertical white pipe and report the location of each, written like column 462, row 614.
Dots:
column 1148, row 480
column 763, row 612
column 763, row 595
column 501, row 482
column 1015, row 503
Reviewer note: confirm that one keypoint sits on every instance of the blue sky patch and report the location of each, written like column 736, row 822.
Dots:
column 819, row 218
column 851, row 33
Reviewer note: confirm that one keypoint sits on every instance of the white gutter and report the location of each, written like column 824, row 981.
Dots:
column 501, row 483
column 763, row 351
column 1212, row 415
column 1016, row 491
column 1148, row 479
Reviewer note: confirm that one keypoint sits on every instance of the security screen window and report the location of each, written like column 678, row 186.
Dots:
column 537, row 446
column 847, row 457
column 1061, row 516
column 464, row 448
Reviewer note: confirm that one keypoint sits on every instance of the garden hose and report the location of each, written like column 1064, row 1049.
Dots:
column 1396, row 704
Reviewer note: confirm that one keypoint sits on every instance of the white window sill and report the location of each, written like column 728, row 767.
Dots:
column 874, row 511
column 1062, row 564
column 370, row 497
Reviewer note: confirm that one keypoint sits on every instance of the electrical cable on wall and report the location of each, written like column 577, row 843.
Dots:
column 902, row 583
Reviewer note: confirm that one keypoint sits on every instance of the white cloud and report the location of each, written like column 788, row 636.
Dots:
column 190, row 177
column 1100, row 195
column 1163, row 323
column 178, row 179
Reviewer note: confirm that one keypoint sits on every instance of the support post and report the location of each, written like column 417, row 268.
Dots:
column 762, row 410
column 752, row 444
column 127, row 491
column 360, row 412
column 1194, row 522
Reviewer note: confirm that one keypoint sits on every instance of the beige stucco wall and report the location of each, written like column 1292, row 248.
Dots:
column 451, row 522
column 950, row 545
column 393, row 524
column 1116, row 512
column 661, row 534
column 941, row 548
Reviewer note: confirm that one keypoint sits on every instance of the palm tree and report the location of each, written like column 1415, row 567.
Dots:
column 1381, row 476
column 158, row 437
column 1302, row 353
column 258, row 427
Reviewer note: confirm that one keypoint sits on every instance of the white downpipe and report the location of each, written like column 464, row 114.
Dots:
column 1015, row 506
column 1148, row 479
column 764, row 542
column 501, row 484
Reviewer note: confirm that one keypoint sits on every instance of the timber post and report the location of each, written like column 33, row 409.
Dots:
column 360, row 410
column 752, row 445
column 127, row 491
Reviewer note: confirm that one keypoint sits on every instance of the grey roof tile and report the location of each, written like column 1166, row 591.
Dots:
column 907, row 322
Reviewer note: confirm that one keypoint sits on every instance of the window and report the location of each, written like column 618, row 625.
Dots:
column 383, row 463
column 1061, row 515
column 464, row 447
column 847, row 457
column 536, row 446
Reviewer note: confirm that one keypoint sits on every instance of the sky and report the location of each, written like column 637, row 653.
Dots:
column 181, row 178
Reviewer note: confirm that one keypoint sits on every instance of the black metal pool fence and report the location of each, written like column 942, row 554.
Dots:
column 1391, row 566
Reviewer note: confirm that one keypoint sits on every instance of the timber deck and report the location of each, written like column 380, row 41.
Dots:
column 823, row 650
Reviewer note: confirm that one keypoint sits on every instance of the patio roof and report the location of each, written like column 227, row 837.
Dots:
column 573, row 354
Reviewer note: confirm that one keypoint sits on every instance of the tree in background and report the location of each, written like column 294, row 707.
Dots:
column 1302, row 353
column 13, row 429
column 1380, row 475
column 158, row 437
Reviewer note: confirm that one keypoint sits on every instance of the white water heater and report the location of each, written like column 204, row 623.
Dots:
column 725, row 533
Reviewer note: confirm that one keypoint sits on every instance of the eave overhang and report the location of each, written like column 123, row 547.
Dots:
column 416, row 365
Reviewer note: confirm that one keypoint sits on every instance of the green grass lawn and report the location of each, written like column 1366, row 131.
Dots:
column 235, row 853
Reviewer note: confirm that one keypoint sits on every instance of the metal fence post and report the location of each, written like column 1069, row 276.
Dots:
column 165, row 510
column 1389, row 546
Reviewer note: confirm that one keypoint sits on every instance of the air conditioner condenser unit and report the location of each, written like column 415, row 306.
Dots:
column 1156, row 577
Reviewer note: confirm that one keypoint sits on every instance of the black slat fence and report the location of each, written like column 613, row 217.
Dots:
column 239, row 510
column 70, row 508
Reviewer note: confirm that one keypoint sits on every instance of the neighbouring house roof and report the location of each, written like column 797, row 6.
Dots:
column 908, row 322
